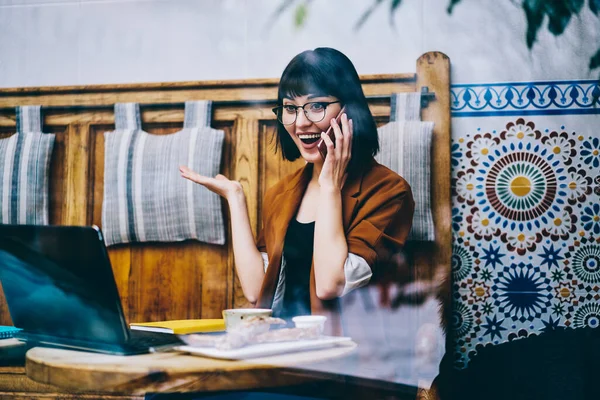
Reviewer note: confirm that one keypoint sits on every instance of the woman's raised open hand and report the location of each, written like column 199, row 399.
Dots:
column 219, row 184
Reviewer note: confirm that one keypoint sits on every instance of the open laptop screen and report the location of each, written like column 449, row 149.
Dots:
column 58, row 282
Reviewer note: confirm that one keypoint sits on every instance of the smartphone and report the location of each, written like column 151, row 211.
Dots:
column 321, row 145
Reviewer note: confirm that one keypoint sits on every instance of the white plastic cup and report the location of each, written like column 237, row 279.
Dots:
column 308, row 321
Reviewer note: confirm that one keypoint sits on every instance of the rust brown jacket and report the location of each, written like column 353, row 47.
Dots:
column 377, row 211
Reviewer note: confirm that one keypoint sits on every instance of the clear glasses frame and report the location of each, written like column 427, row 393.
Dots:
column 311, row 114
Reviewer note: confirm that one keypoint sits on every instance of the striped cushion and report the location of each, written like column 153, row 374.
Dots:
column 405, row 148
column 145, row 198
column 24, row 169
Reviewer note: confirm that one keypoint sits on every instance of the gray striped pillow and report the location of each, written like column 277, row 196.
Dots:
column 24, row 169
column 405, row 148
column 145, row 198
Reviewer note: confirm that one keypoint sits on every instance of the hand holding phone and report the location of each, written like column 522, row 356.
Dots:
column 331, row 133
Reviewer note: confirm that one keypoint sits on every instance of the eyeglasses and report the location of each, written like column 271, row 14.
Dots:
column 314, row 111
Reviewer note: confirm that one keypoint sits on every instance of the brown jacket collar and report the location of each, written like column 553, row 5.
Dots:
column 293, row 191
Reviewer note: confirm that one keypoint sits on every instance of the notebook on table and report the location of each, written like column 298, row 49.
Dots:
column 181, row 326
column 61, row 292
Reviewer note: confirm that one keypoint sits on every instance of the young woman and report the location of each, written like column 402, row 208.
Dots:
column 328, row 226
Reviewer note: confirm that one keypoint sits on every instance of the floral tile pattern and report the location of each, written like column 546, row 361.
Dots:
column 526, row 211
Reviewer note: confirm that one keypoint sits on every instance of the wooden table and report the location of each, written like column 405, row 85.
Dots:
column 15, row 385
column 169, row 371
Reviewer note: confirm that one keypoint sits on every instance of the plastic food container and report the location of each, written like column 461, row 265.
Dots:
column 307, row 321
column 234, row 317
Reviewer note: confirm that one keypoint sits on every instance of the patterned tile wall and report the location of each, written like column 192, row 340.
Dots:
column 526, row 210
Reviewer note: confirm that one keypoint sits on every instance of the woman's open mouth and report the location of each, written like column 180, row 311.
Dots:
column 308, row 139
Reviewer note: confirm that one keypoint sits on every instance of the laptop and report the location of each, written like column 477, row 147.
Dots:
column 61, row 291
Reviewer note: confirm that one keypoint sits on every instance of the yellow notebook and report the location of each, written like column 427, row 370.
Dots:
column 182, row 326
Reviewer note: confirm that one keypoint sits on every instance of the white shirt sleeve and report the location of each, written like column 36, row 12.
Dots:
column 357, row 271
column 265, row 258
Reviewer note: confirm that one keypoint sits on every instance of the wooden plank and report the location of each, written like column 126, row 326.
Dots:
column 433, row 71
column 246, row 155
column 56, row 181
column 167, row 115
column 76, row 171
column 165, row 281
column 152, row 95
column 230, row 84
column 142, row 96
column 274, row 167
column 246, row 163
column 260, row 94
column 217, row 270
column 120, row 260
column 97, row 171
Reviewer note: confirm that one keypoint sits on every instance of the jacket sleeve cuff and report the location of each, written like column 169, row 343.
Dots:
column 265, row 258
column 357, row 273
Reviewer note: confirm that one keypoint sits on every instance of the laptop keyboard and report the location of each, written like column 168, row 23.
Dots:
column 145, row 339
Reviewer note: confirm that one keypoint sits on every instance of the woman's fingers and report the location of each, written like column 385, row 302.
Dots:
column 347, row 138
column 183, row 169
column 329, row 144
column 350, row 134
column 191, row 175
column 344, row 179
column 339, row 136
column 219, row 184
column 342, row 149
column 208, row 182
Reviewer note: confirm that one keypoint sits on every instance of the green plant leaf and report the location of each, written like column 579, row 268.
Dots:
column 575, row 5
column 300, row 15
column 394, row 6
column 451, row 5
column 595, row 60
column 285, row 4
column 595, row 6
column 363, row 18
column 534, row 13
column 560, row 14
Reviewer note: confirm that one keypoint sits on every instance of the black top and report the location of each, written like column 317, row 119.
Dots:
column 298, row 253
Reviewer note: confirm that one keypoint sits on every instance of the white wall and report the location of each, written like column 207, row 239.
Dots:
column 67, row 42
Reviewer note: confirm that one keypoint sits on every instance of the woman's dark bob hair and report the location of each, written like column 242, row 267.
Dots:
column 327, row 72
